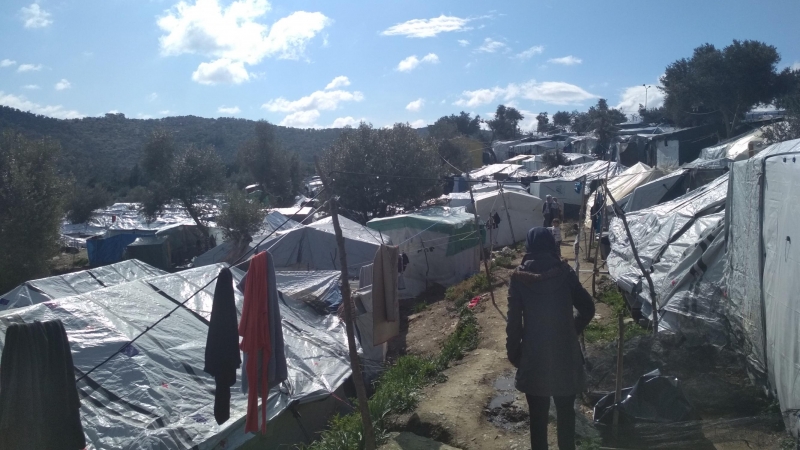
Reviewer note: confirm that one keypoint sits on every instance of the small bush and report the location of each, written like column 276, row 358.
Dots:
column 464, row 291
column 596, row 332
column 419, row 307
column 504, row 261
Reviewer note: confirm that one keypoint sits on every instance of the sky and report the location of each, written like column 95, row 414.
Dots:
column 329, row 63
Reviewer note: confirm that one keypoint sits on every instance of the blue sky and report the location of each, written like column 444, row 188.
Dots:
column 329, row 63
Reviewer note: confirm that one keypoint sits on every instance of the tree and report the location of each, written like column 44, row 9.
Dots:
column 83, row 200
column 268, row 165
column 31, row 201
column 717, row 87
column 377, row 170
column 240, row 218
column 654, row 115
column 562, row 119
column 554, row 159
column 603, row 120
column 581, row 122
column 189, row 176
column 542, row 123
column 789, row 101
column 505, row 124
column 463, row 123
column 295, row 174
column 450, row 143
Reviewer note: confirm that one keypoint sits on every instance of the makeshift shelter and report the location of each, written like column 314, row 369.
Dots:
column 667, row 149
column 681, row 243
column 52, row 288
column 155, row 394
column 536, row 147
column 102, row 251
column 443, row 246
column 762, row 270
column 623, row 184
column 563, row 185
column 581, row 144
column 518, row 211
column 151, row 250
column 671, row 186
column 519, row 159
column 490, row 171
column 311, row 247
column 738, row 148
column 501, row 149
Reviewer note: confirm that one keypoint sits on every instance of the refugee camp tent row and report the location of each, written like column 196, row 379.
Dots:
column 673, row 185
column 762, row 269
column 306, row 247
column 523, row 210
column 443, row 246
column 155, row 394
column 560, row 182
column 681, row 243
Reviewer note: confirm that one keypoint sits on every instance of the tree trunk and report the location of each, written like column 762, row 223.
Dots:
column 189, row 206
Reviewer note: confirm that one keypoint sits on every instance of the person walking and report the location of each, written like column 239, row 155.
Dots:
column 542, row 336
column 548, row 216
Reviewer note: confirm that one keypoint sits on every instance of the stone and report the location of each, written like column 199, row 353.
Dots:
column 411, row 441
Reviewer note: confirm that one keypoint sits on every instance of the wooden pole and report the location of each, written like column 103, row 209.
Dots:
column 355, row 364
column 478, row 230
column 618, row 392
column 599, row 237
column 646, row 274
column 581, row 220
column 508, row 214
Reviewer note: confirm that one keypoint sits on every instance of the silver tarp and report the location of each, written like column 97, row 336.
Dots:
column 681, row 243
column 595, row 170
column 155, row 395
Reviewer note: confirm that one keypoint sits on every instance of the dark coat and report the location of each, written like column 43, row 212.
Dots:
column 542, row 332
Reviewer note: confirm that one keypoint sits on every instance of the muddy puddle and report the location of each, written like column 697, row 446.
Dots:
column 507, row 408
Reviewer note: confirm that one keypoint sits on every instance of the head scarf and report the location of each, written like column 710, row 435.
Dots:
column 541, row 241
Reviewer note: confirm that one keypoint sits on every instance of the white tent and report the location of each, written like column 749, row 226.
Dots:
column 762, row 269
column 737, row 148
column 443, row 246
column 524, row 210
column 67, row 285
column 487, row 172
column 623, row 184
column 155, row 394
column 311, row 247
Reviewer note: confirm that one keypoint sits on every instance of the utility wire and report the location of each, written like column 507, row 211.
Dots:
column 146, row 330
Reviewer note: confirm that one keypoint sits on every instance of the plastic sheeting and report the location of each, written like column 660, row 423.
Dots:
column 689, row 177
column 623, row 184
column 762, row 270
column 442, row 244
column 52, row 288
column 525, row 211
column 155, row 395
column 737, row 148
column 681, row 242
column 487, row 172
column 593, row 171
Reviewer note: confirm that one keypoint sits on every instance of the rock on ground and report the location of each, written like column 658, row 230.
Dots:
column 411, row 441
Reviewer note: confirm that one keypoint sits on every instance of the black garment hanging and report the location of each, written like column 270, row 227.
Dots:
column 222, row 345
column 39, row 404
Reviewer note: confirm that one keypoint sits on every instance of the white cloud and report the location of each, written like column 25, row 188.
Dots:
column 411, row 63
column 233, row 36
column 419, row 123
column 29, row 68
column 221, row 71
column 324, row 100
column 490, row 46
column 633, row 96
column 144, row 116
column 63, row 84
column 554, row 92
column 795, row 66
column 425, row 28
column 7, row 63
column 416, row 105
column 113, row 111
column 24, row 104
column 301, row 119
column 165, row 112
column 463, row 42
column 152, row 97
column 31, row 86
column 342, row 122
column 340, row 81
column 531, row 52
column 35, row 17
column 230, row 110
column 566, row 60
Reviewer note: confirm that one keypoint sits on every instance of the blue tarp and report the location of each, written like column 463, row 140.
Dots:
column 104, row 251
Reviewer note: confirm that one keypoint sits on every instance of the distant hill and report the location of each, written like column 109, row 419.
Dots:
column 107, row 148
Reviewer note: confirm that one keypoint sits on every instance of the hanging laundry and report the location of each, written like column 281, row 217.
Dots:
column 39, row 404
column 222, row 345
column 385, row 305
column 256, row 382
column 255, row 333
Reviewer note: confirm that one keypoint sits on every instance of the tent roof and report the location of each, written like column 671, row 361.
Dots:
column 491, row 169
column 592, row 170
column 351, row 230
column 52, row 288
column 155, row 394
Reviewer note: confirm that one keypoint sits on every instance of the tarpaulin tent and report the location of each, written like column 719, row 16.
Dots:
column 488, row 172
column 762, row 269
column 443, row 246
column 560, row 182
column 107, row 250
column 311, row 247
column 52, row 288
column 681, row 243
column 737, row 148
column 688, row 178
column 524, row 209
column 155, row 395
column 151, row 250
column 623, row 184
